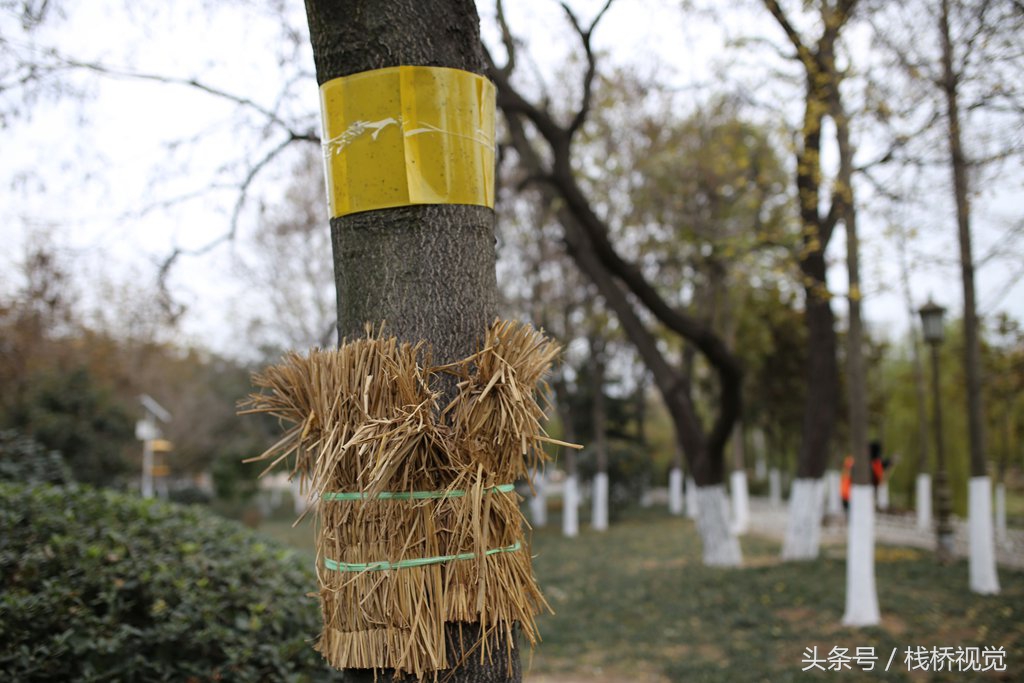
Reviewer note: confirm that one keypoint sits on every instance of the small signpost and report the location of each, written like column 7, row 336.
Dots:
column 147, row 430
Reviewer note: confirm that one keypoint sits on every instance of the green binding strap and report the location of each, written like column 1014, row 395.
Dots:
column 412, row 495
column 416, row 562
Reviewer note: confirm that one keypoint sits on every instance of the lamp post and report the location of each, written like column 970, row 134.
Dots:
column 931, row 322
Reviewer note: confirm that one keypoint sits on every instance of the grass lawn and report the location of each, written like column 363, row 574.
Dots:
column 635, row 604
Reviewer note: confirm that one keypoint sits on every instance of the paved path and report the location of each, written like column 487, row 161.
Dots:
column 890, row 529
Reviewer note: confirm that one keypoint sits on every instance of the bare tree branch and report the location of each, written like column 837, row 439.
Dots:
column 240, row 100
column 232, row 231
column 588, row 78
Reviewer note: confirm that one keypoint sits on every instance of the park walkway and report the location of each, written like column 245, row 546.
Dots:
column 890, row 529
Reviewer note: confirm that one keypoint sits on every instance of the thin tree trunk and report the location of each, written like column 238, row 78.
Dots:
column 427, row 271
column 539, row 501
column 570, row 485
column 599, row 494
column 861, row 594
column 738, row 484
column 922, row 498
column 983, row 575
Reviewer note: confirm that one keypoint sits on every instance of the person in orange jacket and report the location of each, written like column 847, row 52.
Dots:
column 878, row 467
column 846, row 481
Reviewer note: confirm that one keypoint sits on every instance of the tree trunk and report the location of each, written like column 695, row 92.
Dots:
column 721, row 548
column 539, row 501
column 675, row 486
column 803, row 525
column 427, row 271
column 983, row 576
column 861, row 595
column 738, row 484
column 924, row 501
column 775, row 488
column 599, row 493
column 570, row 485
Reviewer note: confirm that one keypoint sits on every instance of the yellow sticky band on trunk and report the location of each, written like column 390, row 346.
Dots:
column 408, row 135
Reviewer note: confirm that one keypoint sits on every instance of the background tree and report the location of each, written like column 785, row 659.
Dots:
column 963, row 73
column 822, row 75
column 610, row 262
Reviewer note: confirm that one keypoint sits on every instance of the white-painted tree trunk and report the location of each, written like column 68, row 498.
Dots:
column 599, row 502
column 721, row 547
column 803, row 524
column 1001, row 534
column 692, row 504
column 570, row 507
column 982, row 559
column 299, row 500
column 539, row 501
column 740, row 502
column 675, row 491
column 775, row 487
column 882, row 494
column 761, row 450
column 861, row 595
column 760, row 468
column 923, row 501
column 833, row 497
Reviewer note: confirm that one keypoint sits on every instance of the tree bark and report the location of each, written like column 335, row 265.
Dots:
column 428, row 272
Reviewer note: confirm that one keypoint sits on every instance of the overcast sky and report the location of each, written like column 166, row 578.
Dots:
column 98, row 173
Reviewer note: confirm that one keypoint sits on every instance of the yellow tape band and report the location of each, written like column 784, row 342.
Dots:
column 408, row 135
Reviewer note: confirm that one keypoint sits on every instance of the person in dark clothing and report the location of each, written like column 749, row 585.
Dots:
column 878, row 464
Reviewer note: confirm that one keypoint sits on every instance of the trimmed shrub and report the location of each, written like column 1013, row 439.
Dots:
column 98, row 585
column 25, row 460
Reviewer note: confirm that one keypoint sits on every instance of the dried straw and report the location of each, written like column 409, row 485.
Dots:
column 364, row 418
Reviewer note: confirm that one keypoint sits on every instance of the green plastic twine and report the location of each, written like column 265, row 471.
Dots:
column 412, row 495
column 416, row 562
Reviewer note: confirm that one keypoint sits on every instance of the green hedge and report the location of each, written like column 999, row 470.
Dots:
column 100, row 586
column 25, row 460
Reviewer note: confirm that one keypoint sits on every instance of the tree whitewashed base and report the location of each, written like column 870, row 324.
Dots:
column 923, row 501
column 882, row 495
column 570, row 507
column 692, row 504
column 646, row 499
column 599, row 502
column 803, row 523
column 861, row 595
column 675, row 491
column 760, row 468
column 299, row 500
column 740, row 502
column 982, row 559
column 721, row 547
column 833, row 497
column 539, row 501
column 775, row 487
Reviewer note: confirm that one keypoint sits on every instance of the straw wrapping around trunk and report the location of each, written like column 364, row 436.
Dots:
column 416, row 522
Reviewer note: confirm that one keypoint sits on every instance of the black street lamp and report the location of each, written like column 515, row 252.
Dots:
column 931, row 322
